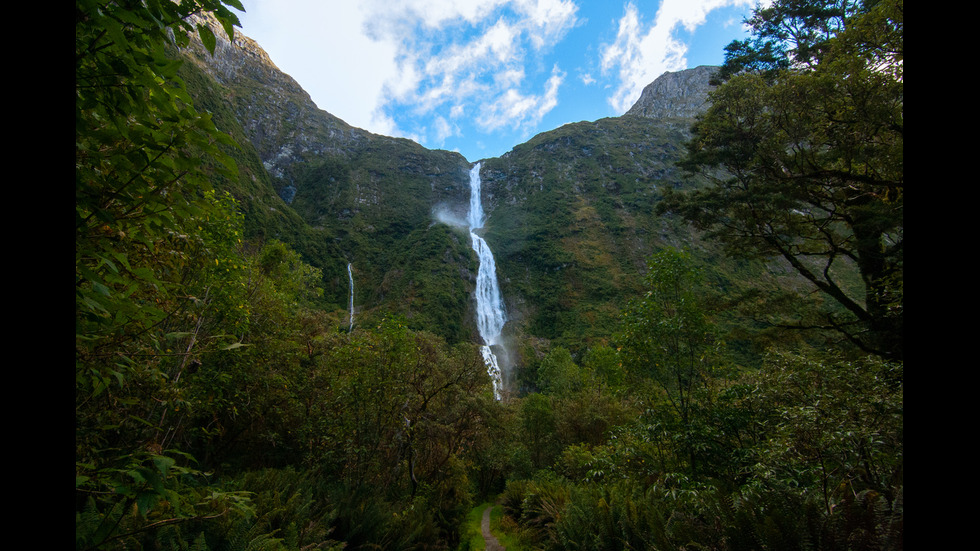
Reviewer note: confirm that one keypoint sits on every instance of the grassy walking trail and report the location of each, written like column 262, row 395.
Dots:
column 483, row 530
column 488, row 537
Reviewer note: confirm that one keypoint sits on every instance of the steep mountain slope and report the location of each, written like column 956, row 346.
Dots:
column 572, row 210
column 365, row 199
column 571, row 214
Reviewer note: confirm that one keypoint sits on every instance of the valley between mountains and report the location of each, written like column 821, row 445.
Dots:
column 678, row 328
column 569, row 214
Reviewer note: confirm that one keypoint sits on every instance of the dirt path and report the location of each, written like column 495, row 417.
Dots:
column 492, row 543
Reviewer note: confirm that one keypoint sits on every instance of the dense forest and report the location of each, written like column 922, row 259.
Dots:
column 226, row 400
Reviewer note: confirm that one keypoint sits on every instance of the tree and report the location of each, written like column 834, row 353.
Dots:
column 787, row 33
column 143, row 156
column 154, row 251
column 558, row 374
column 833, row 446
column 667, row 335
column 537, row 418
column 668, row 338
column 392, row 417
column 803, row 148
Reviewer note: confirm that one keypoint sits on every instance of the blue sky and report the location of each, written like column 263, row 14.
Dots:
column 481, row 76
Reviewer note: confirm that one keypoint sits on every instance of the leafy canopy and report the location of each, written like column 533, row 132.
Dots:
column 806, row 162
column 142, row 155
column 154, row 254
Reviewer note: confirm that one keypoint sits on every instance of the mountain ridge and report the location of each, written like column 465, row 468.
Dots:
column 680, row 94
column 284, row 124
column 674, row 94
column 569, row 212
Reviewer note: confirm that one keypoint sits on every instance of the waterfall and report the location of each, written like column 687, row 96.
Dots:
column 350, row 276
column 490, row 316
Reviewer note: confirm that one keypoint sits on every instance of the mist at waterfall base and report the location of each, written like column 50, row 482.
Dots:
column 490, row 314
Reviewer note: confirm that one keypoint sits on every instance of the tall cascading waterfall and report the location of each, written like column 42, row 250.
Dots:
column 350, row 276
column 490, row 316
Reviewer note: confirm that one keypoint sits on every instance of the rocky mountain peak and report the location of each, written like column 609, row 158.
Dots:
column 280, row 119
column 678, row 94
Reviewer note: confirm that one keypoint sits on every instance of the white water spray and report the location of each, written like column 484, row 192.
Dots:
column 350, row 276
column 490, row 316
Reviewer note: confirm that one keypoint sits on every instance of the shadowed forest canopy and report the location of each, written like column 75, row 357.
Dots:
column 808, row 132
column 707, row 358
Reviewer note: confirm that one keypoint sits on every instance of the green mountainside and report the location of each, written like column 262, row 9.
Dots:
column 364, row 199
column 704, row 346
column 572, row 221
column 571, row 212
column 572, row 217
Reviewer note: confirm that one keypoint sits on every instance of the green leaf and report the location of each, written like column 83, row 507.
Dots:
column 235, row 4
column 163, row 463
column 101, row 289
column 207, row 37
column 234, row 346
column 146, row 501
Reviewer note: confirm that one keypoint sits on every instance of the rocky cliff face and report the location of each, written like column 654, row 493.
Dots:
column 282, row 122
column 286, row 128
column 571, row 215
column 675, row 95
column 368, row 198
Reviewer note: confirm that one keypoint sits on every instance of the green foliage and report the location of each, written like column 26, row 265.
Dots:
column 537, row 419
column 605, row 365
column 667, row 335
column 290, row 505
column 146, row 304
column 572, row 222
column 387, row 414
column 788, row 33
column 536, row 505
column 222, row 403
column 813, row 172
column 833, row 426
column 805, row 453
column 289, row 512
column 558, row 374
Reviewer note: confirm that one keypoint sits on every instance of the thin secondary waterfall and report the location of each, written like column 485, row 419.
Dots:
column 490, row 316
column 350, row 276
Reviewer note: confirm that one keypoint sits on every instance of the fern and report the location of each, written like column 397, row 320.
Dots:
column 93, row 526
column 250, row 536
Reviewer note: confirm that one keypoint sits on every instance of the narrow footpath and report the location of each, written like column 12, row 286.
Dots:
column 492, row 543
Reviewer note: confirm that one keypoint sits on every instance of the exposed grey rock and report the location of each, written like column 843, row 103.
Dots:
column 681, row 94
column 291, row 133
column 283, row 123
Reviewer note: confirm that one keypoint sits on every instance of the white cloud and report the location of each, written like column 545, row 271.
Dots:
column 469, row 55
column 433, row 14
column 548, row 20
column 516, row 110
column 362, row 61
column 496, row 46
column 303, row 36
column 443, row 129
column 509, row 77
column 642, row 52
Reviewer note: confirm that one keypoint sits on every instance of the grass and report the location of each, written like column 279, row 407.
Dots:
column 506, row 530
column 471, row 537
column 503, row 527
